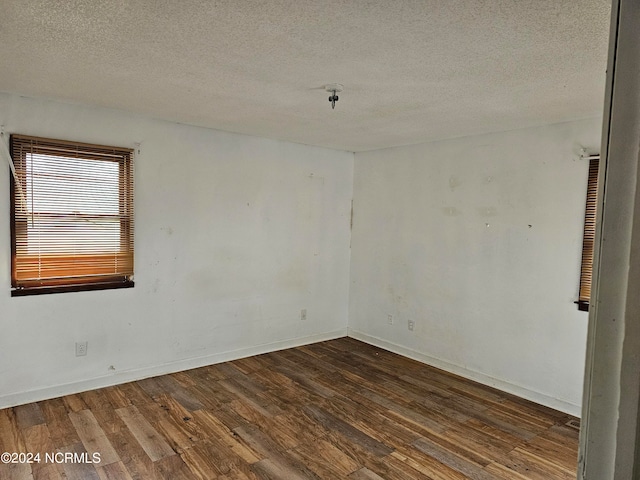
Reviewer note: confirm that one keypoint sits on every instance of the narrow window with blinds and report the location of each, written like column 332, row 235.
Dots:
column 589, row 237
column 71, row 216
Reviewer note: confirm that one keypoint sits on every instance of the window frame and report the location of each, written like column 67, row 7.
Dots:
column 97, row 279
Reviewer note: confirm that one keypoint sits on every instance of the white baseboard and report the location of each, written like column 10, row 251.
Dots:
column 125, row 376
column 503, row 385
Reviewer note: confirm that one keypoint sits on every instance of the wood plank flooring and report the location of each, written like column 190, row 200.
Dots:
column 336, row 409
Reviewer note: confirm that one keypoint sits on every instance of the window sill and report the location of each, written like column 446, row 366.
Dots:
column 582, row 306
column 23, row 292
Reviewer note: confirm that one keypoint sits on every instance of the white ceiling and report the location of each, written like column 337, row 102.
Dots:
column 412, row 70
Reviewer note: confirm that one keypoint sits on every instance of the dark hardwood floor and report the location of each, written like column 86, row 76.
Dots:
column 337, row 409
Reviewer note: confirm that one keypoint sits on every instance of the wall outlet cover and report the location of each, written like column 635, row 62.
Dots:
column 81, row 349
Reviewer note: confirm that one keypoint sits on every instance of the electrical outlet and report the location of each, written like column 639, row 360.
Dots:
column 303, row 314
column 411, row 324
column 81, row 348
column 390, row 319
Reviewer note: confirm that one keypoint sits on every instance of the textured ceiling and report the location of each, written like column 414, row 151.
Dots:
column 412, row 71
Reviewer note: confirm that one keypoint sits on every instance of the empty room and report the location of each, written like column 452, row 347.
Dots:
column 302, row 239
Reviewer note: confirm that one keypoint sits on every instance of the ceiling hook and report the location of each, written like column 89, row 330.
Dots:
column 333, row 88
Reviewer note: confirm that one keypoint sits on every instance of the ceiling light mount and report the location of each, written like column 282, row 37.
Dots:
column 334, row 88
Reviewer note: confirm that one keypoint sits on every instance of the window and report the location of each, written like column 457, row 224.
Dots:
column 71, row 216
column 589, row 236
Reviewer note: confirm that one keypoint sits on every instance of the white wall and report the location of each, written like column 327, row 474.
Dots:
column 234, row 236
column 477, row 240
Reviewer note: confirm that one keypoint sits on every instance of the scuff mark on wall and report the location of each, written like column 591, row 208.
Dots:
column 451, row 211
column 487, row 211
column 454, row 182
